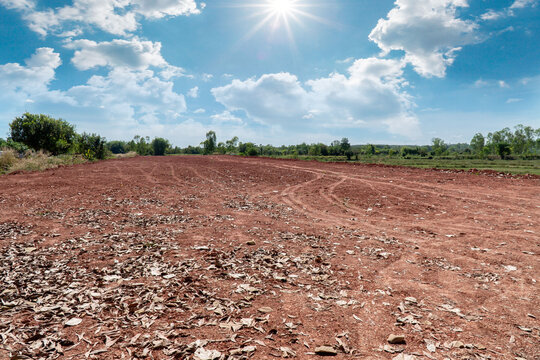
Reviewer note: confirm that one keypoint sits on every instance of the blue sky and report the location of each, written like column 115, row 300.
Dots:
column 273, row 71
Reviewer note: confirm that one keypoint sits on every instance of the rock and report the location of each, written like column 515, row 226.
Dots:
column 325, row 351
column 265, row 310
column 73, row 322
column 396, row 339
column 251, row 243
column 404, row 357
column 203, row 354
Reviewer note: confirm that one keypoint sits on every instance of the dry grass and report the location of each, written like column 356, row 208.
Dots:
column 40, row 161
column 124, row 156
column 7, row 159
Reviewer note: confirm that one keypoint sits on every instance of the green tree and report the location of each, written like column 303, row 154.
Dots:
column 439, row 147
column 117, row 147
column 91, row 146
column 477, row 143
column 503, row 150
column 232, row 144
column 41, row 132
column 210, row 143
column 344, row 145
column 160, row 146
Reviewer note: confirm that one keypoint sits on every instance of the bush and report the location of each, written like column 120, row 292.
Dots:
column 159, row 146
column 117, row 147
column 41, row 132
column 252, row 151
column 91, row 146
column 8, row 158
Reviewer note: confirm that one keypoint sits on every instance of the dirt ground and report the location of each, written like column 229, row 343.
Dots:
column 235, row 258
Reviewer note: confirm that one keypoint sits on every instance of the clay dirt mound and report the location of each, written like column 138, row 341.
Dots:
column 236, row 258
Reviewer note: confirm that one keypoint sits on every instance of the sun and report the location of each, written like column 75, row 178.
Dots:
column 281, row 15
column 282, row 7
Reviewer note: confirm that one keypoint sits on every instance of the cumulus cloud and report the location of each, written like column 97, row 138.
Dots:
column 157, row 9
column 133, row 53
column 118, row 17
column 273, row 98
column 135, row 94
column 23, row 81
column 123, row 99
column 371, row 95
column 429, row 33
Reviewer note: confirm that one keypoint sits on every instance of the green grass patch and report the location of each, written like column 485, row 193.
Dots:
column 504, row 166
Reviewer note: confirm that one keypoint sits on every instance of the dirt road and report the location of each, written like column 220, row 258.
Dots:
column 228, row 257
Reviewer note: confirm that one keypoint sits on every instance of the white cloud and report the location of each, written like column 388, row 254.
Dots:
column 124, row 99
column 520, row 4
column 133, row 53
column 273, row 98
column 22, row 81
column 118, row 17
column 513, row 100
column 503, row 84
column 160, row 8
column 207, row 77
column 226, row 117
column 133, row 94
column 193, row 92
column 427, row 31
column 370, row 96
column 345, row 61
column 492, row 15
column 480, row 83
column 199, row 111
column 22, row 5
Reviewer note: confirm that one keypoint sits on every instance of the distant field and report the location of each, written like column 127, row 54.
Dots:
column 506, row 166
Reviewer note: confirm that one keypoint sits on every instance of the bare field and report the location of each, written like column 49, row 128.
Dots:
column 235, row 258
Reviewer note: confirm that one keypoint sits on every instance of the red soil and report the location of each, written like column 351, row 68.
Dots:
column 153, row 254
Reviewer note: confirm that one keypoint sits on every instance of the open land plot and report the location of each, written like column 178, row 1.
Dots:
column 228, row 257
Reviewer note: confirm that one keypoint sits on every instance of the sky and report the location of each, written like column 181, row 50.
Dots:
column 273, row 71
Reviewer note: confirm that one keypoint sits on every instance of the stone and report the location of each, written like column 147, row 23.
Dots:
column 396, row 339
column 325, row 351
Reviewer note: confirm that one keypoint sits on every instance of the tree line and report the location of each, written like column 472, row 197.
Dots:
column 57, row 136
column 39, row 132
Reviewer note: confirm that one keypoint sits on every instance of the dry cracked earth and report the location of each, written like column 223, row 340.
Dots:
column 237, row 258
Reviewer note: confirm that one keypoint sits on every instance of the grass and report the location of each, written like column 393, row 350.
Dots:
column 125, row 156
column 35, row 161
column 504, row 166
column 7, row 159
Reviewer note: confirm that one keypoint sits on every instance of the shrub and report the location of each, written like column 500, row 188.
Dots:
column 159, row 146
column 117, row 147
column 8, row 158
column 252, row 151
column 41, row 132
column 91, row 146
